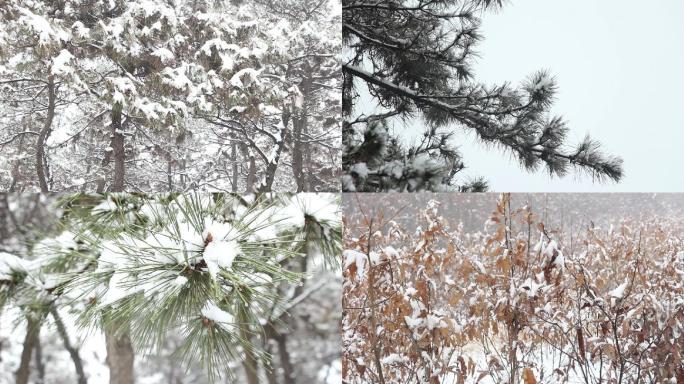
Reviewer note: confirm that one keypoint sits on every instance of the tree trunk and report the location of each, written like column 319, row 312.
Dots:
column 299, row 128
column 270, row 372
column 308, row 164
column 38, row 356
column 169, row 174
column 118, row 149
column 272, row 166
column 233, row 158
column 251, row 173
column 120, row 357
column 285, row 362
column 73, row 352
column 41, row 163
column 30, row 340
column 4, row 218
column 102, row 180
column 297, row 152
column 250, row 363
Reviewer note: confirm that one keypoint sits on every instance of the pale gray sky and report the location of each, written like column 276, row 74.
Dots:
column 619, row 65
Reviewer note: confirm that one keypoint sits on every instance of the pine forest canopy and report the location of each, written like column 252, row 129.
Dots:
column 414, row 59
column 156, row 95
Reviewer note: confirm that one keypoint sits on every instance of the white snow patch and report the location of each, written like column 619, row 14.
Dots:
column 176, row 78
column 39, row 24
column 60, row 64
column 245, row 77
column 10, row 263
column 361, row 170
column 352, row 256
column 163, row 54
column 212, row 312
column 220, row 254
column 107, row 205
column 323, row 207
column 394, row 358
column 217, row 230
column 619, row 292
column 180, row 281
column 530, row 288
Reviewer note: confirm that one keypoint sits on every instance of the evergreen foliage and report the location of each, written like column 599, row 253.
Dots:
column 415, row 59
column 210, row 268
column 169, row 95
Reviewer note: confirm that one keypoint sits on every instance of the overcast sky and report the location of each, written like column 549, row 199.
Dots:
column 619, row 65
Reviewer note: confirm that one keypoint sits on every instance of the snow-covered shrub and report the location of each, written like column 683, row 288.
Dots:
column 515, row 302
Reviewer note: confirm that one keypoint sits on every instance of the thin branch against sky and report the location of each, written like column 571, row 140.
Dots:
column 618, row 66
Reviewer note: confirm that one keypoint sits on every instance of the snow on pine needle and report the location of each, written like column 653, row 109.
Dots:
column 207, row 266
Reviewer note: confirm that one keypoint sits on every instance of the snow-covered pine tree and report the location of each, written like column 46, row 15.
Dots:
column 217, row 274
column 139, row 73
column 38, row 77
column 102, row 52
column 415, row 59
column 310, row 70
column 27, row 284
column 276, row 96
column 207, row 94
column 246, row 109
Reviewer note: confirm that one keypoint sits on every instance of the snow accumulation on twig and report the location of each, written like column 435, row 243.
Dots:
column 212, row 312
column 220, row 254
column 9, row 264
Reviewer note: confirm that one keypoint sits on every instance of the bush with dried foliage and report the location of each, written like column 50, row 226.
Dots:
column 515, row 303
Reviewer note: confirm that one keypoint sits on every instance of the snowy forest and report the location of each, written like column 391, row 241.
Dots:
column 170, row 95
column 170, row 288
column 526, row 288
column 411, row 97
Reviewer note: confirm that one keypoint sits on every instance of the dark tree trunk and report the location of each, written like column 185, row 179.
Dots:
column 118, row 150
column 169, row 174
column 270, row 372
column 102, row 180
column 73, row 352
column 233, row 158
column 30, row 340
column 308, row 164
column 272, row 166
column 41, row 163
column 297, row 152
column 285, row 361
column 250, row 363
column 104, row 171
column 299, row 128
column 251, row 172
column 4, row 218
column 120, row 357
column 38, row 356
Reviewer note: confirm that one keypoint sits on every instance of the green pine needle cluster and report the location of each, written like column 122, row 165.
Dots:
column 209, row 267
